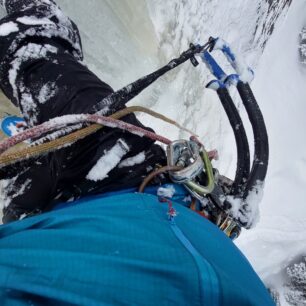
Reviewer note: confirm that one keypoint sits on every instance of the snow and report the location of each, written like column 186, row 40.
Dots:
column 167, row 191
column 47, row 92
column 27, row 52
column 4, row 200
column 134, row 160
column 6, row 187
column 8, row 28
column 247, row 210
column 32, row 20
column 108, row 161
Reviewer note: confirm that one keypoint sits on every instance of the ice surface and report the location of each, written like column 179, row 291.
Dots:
column 279, row 86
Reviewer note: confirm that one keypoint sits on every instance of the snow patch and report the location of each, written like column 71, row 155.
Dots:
column 108, row 161
column 8, row 28
column 134, row 160
column 32, row 20
column 47, row 92
column 247, row 211
column 6, row 187
column 4, row 200
column 28, row 52
column 167, row 191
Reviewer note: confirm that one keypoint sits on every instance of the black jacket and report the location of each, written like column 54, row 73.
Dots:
column 42, row 73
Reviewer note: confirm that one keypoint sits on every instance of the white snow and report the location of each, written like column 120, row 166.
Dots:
column 250, row 213
column 8, row 28
column 250, row 207
column 4, row 200
column 32, row 20
column 47, row 92
column 22, row 189
column 108, row 161
column 167, row 191
column 27, row 52
column 6, row 186
column 132, row 161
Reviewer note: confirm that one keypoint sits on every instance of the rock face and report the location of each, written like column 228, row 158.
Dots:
column 295, row 291
column 302, row 47
column 269, row 12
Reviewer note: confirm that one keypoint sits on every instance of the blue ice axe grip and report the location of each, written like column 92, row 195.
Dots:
column 223, row 80
column 213, row 66
column 215, row 69
column 245, row 73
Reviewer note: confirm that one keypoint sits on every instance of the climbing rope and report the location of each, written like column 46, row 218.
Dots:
column 100, row 121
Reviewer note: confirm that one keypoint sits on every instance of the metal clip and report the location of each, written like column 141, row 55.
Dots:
column 195, row 162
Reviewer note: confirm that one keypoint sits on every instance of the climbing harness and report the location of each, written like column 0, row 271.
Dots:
column 189, row 163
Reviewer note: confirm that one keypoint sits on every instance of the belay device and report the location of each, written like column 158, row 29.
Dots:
column 226, row 203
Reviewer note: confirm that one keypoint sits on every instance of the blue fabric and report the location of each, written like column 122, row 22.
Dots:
column 123, row 250
column 180, row 196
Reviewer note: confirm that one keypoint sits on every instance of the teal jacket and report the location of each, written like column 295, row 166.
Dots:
column 127, row 249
